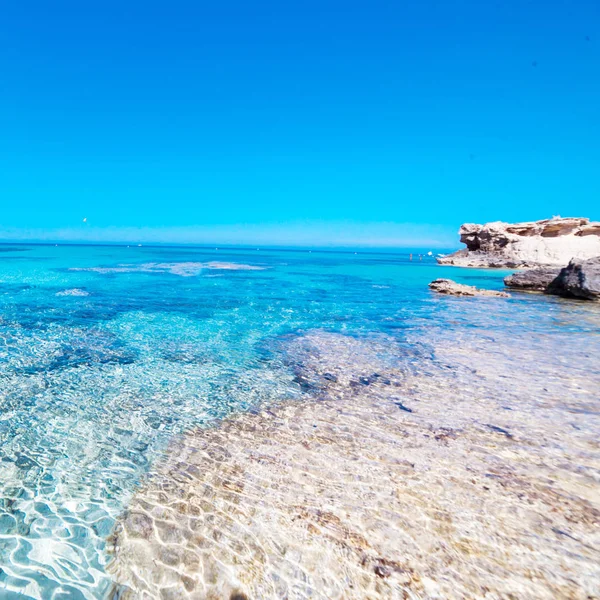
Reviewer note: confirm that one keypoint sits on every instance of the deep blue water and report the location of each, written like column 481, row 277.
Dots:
column 106, row 353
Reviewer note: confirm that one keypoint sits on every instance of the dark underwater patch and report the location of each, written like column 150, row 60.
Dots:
column 185, row 356
column 90, row 348
column 14, row 288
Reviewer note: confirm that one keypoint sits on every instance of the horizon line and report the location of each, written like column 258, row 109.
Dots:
column 227, row 246
column 307, row 234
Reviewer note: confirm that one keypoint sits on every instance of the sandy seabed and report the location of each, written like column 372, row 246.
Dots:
column 476, row 475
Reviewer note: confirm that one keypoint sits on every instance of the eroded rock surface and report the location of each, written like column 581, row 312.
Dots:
column 447, row 286
column 533, row 279
column 517, row 245
column 580, row 279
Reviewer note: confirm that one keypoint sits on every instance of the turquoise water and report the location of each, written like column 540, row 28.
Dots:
column 106, row 353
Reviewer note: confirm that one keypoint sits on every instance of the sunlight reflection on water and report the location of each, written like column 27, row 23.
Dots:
column 101, row 365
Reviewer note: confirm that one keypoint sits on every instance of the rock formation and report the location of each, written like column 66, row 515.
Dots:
column 447, row 286
column 519, row 245
column 580, row 279
column 536, row 280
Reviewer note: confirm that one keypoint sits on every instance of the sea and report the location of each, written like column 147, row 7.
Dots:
column 108, row 353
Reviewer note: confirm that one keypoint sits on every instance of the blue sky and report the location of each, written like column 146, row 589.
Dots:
column 314, row 122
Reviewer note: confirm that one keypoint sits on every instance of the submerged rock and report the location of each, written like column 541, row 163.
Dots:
column 447, row 286
column 532, row 279
column 183, row 269
column 504, row 245
column 580, row 279
column 264, row 506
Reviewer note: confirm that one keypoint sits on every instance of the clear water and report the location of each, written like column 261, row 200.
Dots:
column 106, row 353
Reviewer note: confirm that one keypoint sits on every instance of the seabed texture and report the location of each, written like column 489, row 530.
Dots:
column 202, row 423
column 475, row 477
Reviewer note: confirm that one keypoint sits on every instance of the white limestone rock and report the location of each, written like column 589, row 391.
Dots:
column 520, row 245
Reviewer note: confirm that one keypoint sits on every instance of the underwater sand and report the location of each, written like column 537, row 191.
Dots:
column 475, row 480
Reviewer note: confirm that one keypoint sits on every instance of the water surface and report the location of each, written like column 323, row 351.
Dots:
column 108, row 353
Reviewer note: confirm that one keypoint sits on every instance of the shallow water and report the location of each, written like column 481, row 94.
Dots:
column 107, row 354
column 464, row 477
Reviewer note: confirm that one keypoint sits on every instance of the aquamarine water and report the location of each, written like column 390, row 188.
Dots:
column 106, row 353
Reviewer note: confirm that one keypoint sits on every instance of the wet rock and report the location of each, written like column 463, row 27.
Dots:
column 447, row 286
column 519, row 245
column 533, row 279
column 139, row 525
column 377, row 378
column 382, row 571
column 501, row 430
column 580, row 279
column 304, row 383
column 443, row 434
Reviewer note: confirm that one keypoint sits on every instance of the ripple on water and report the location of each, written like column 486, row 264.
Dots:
column 83, row 416
column 399, row 483
column 94, row 389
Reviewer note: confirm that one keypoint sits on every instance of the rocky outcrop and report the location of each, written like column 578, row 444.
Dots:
column 536, row 280
column 520, row 245
column 580, row 279
column 447, row 286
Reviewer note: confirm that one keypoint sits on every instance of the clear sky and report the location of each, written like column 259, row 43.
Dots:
column 313, row 122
